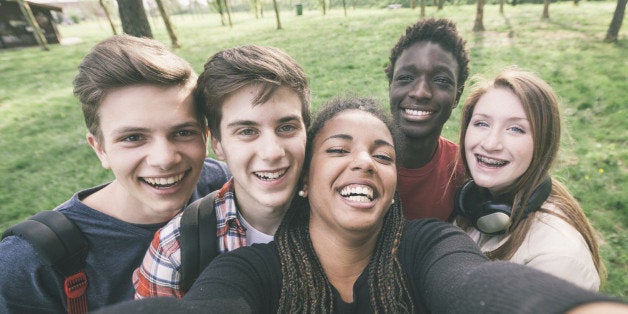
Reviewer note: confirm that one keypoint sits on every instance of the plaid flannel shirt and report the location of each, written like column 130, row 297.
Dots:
column 159, row 274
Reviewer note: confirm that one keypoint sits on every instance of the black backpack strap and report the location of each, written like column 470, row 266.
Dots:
column 62, row 245
column 198, row 239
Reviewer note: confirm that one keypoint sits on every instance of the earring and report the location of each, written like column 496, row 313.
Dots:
column 302, row 193
column 393, row 201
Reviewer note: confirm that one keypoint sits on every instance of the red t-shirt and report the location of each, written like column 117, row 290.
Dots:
column 426, row 192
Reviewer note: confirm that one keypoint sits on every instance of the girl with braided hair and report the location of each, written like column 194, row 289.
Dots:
column 344, row 247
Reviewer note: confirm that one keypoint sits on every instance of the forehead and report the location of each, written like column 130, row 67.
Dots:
column 358, row 124
column 426, row 55
column 147, row 106
column 239, row 106
column 500, row 102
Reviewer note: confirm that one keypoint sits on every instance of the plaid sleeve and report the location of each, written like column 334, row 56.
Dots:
column 159, row 274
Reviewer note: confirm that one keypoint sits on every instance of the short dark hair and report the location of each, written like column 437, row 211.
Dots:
column 440, row 31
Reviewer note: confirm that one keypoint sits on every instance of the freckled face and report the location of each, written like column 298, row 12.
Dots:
column 352, row 176
column 498, row 142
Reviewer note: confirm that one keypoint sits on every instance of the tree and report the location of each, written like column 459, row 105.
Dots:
column 227, row 6
column 220, row 9
column 104, row 8
column 164, row 15
column 545, row 15
column 422, row 8
column 133, row 17
column 501, row 7
column 440, row 4
column 28, row 16
column 277, row 14
column 478, row 26
column 618, row 17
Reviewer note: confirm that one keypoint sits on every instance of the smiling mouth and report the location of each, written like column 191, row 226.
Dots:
column 418, row 113
column 491, row 162
column 164, row 183
column 270, row 175
column 358, row 193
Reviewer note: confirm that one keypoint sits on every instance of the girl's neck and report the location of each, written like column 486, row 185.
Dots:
column 343, row 259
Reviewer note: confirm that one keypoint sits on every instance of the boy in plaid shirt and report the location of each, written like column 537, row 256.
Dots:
column 257, row 100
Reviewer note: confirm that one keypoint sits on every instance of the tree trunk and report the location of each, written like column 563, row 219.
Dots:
column 440, row 4
column 422, row 8
column 104, row 8
column 545, row 15
column 478, row 26
column 344, row 6
column 133, row 17
column 618, row 17
column 277, row 14
column 501, row 7
column 30, row 19
column 228, row 7
column 164, row 15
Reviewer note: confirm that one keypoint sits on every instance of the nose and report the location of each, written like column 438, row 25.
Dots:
column 421, row 89
column 363, row 162
column 492, row 141
column 270, row 148
column 163, row 154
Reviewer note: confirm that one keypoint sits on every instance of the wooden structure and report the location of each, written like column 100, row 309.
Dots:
column 15, row 30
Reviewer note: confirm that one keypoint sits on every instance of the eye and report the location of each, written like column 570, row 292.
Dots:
column 246, row 132
column 384, row 158
column 444, row 81
column 480, row 124
column 517, row 129
column 132, row 138
column 404, row 78
column 287, row 128
column 336, row 151
column 185, row 133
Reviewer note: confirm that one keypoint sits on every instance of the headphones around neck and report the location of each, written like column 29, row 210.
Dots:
column 476, row 204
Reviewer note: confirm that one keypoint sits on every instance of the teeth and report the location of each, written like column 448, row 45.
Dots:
column 358, row 193
column 270, row 175
column 418, row 112
column 491, row 161
column 162, row 182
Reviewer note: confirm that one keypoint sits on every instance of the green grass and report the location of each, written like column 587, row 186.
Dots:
column 44, row 157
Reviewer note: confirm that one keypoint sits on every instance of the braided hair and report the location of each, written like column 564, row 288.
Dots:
column 305, row 286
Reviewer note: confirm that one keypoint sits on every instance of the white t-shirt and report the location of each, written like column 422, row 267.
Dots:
column 253, row 235
column 552, row 245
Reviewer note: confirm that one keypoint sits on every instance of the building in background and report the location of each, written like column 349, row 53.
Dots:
column 15, row 31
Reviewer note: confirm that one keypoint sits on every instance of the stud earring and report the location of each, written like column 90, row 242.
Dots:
column 302, row 193
column 393, row 201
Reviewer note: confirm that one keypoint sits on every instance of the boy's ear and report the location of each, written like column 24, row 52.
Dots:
column 217, row 148
column 98, row 149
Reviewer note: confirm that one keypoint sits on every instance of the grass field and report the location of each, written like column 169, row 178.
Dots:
column 44, row 157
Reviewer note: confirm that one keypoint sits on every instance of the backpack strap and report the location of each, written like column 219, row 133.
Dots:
column 198, row 239
column 61, row 244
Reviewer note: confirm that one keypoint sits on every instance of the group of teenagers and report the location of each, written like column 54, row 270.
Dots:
column 353, row 210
